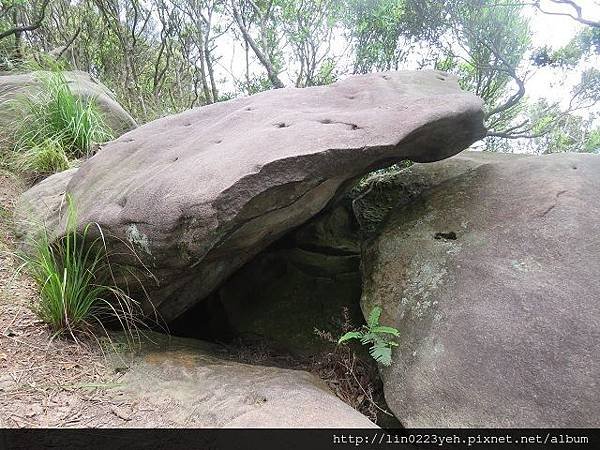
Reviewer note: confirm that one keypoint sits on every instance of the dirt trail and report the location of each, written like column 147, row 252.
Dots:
column 46, row 382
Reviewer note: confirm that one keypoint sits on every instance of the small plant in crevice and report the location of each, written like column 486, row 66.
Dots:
column 352, row 377
column 376, row 336
column 76, row 281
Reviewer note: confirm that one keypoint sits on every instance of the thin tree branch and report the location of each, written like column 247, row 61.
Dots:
column 578, row 12
column 33, row 26
column 271, row 72
column 68, row 44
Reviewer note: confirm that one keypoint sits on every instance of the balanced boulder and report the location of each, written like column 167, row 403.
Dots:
column 200, row 193
column 492, row 276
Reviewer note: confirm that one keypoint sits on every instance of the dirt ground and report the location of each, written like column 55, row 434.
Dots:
column 46, row 381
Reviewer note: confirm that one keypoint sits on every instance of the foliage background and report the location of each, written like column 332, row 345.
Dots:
column 165, row 56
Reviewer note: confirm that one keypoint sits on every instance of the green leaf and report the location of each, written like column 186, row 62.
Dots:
column 382, row 353
column 374, row 317
column 350, row 335
column 384, row 329
column 369, row 338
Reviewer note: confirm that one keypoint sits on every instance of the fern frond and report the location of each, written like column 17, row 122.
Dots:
column 384, row 329
column 368, row 338
column 374, row 317
column 381, row 353
column 350, row 335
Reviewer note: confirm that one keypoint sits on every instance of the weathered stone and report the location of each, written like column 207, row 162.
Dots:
column 201, row 193
column 81, row 84
column 384, row 190
column 492, row 276
column 45, row 212
column 190, row 383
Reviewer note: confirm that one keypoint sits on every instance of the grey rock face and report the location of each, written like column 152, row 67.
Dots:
column 492, row 276
column 48, row 200
column 81, row 84
column 201, row 193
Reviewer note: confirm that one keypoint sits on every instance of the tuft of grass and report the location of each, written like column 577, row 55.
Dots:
column 42, row 159
column 77, row 287
column 55, row 124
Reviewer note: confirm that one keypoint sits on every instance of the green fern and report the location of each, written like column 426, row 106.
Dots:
column 378, row 337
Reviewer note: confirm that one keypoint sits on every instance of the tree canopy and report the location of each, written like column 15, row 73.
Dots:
column 164, row 56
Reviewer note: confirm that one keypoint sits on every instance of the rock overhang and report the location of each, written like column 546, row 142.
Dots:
column 206, row 190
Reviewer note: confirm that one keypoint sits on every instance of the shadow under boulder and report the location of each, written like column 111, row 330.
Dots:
column 300, row 284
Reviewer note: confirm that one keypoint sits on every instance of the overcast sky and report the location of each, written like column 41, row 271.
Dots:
column 557, row 31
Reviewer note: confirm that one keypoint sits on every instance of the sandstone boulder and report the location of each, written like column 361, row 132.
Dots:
column 81, row 84
column 202, row 192
column 492, row 276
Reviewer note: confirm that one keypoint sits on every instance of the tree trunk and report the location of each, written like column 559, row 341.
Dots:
column 211, row 71
column 205, row 90
column 271, row 72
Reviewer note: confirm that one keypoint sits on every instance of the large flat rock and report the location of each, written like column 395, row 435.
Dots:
column 184, row 383
column 499, row 316
column 200, row 193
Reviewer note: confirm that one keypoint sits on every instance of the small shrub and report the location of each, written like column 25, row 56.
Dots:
column 35, row 61
column 76, row 282
column 378, row 337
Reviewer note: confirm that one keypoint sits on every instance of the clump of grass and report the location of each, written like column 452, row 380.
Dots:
column 42, row 159
column 55, row 124
column 77, row 287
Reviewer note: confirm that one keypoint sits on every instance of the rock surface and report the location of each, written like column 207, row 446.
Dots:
column 492, row 276
column 201, row 193
column 188, row 383
column 81, row 83
column 46, row 209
